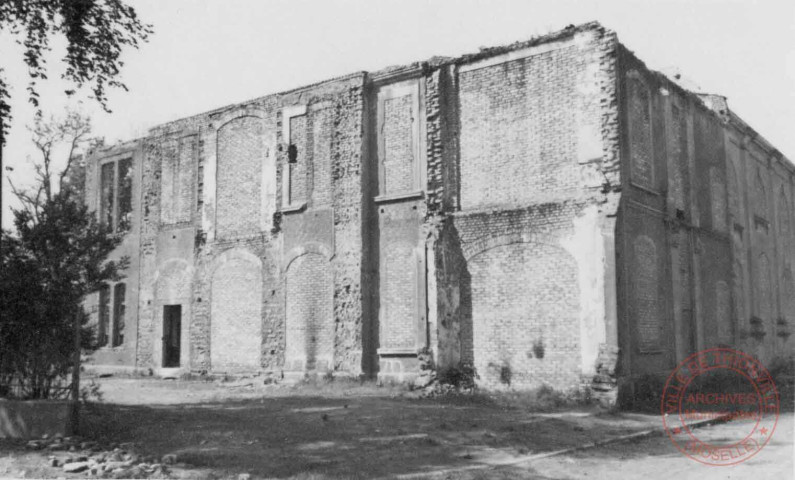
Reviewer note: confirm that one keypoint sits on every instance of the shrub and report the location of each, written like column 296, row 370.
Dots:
column 782, row 370
column 461, row 376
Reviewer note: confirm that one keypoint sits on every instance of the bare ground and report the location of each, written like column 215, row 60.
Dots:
column 340, row 430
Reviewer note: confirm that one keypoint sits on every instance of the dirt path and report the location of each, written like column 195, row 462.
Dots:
column 656, row 457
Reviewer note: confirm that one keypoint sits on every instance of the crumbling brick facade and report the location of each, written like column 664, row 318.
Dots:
column 549, row 212
column 705, row 227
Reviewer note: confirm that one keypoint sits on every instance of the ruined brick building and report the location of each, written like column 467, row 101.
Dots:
column 552, row 212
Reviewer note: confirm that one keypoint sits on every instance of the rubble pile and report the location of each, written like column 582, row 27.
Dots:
column 75, row 455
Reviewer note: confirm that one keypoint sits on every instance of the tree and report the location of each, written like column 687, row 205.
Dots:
column 96, row 32
column 58, row 255
column 75, row 131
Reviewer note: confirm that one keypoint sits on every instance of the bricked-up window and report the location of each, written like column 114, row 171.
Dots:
column 119, row 307
column 322, row 131
column 736, row 206
column 176, row 180
column 789, row 293
column 236, row 312
column 647, row 295
column 717, row 188
column 763, row 290
column 517, row 126
column 400, row 286
column 103, row 326
column 677, row 159
column 398, row 161
column 738, row 270
column 760, row 197
column 723, row 311
column 398, row 129
column 115, row 203
column 783, row 220
column 241, row 150
column 309, row 284
column 675, row 151
column 640, row 139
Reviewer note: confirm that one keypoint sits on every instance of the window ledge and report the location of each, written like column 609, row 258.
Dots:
column 645, row 189
column 399, row 196
column 397, row 352
column 650, row 350
column 294, row 208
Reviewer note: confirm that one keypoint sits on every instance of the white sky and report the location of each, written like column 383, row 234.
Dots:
column 210, row 53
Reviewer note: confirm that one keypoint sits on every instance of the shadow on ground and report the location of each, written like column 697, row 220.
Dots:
column 357, row 437
column 350, row 430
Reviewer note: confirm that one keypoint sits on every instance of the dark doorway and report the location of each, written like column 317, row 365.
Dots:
column 172, row 333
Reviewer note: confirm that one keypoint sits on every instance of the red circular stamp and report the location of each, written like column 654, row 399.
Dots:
column 717, row 385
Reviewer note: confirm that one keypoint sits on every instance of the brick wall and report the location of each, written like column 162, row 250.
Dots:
column 399, row 162
column 150, row 220
column 178, row 177
column 399, row 276
column 646, row 293
column 240, row 155
column 310, row 309
column 329, row 227
column 678, row 179
column 226, row 153
column 265, row 346
column 717, row 192
column 639, row 126
column 399, row 159
column 700, row 189
column 518, row 127
column 322, row 130
column 452, row 281
column 346, row 178
column 538, row 147
column 469, row 206
column 236, row 313
column 168, row 218
column 519, row 297
column 525, row 302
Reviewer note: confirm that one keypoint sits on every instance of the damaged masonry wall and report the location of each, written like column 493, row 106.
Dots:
column 451, row 213
column 705, row 226
column 525, row 279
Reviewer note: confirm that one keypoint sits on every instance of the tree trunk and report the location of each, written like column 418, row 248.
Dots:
column 75, row 408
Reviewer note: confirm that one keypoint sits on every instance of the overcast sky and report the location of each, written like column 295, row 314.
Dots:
column 210, row 53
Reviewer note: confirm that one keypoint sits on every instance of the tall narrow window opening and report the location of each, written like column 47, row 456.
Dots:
column 124, row 201
column 104, row 316
column 107, row 193
column 119, row 306
column 115, row 202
